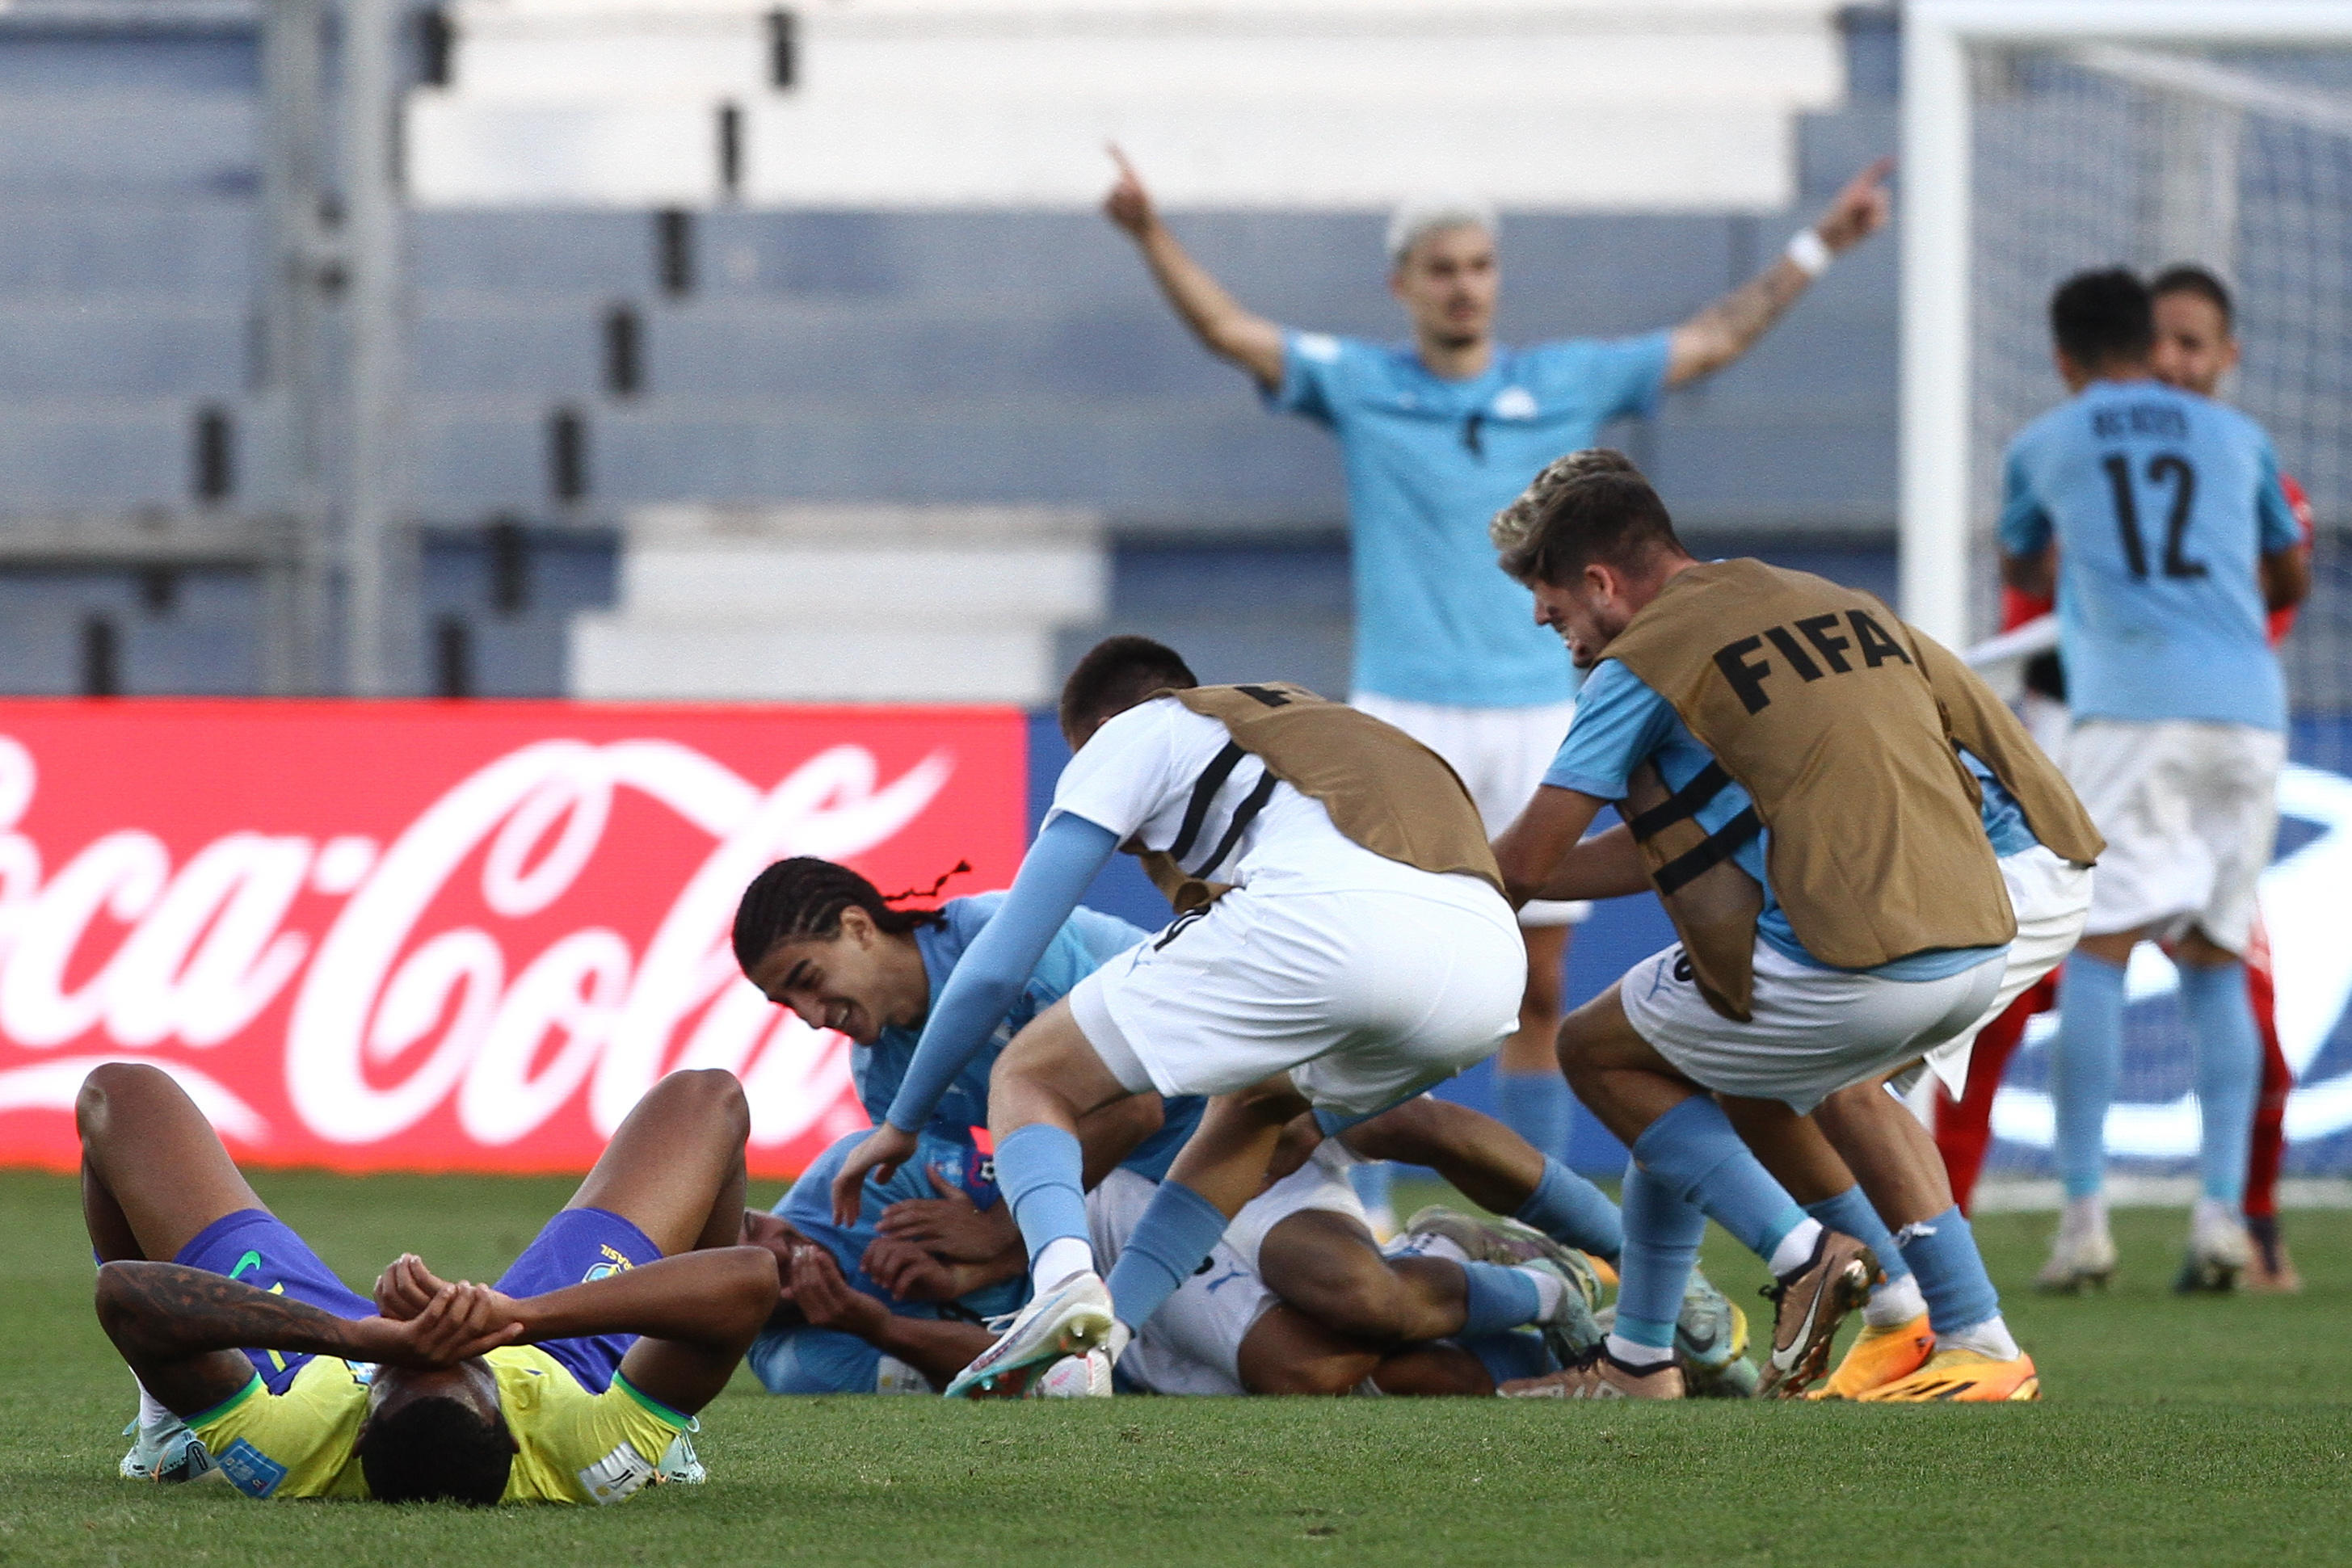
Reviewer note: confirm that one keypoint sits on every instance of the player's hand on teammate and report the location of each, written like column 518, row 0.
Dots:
column 1129, row 205
column 813, row 1282
column 908, row 1272
column 951, row 1226
column 886, row 1149
column 1860, row 210
column 460, row 1321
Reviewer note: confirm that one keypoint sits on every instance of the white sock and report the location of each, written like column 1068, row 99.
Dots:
column 1642, row 1355
column 1796, row 1248
column 152, row 1411
column 1057, row 1260
column 1990, row 1337
column 1551, row 1292
column 1894, row 1303
column 2085, row 1216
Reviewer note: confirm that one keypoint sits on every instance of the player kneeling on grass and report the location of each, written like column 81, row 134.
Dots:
column 1824, row 800
column 253, row 1357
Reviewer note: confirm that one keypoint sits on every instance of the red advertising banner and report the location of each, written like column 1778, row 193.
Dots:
column 448, row 936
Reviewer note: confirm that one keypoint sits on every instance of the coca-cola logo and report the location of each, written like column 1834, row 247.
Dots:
column 531, row 949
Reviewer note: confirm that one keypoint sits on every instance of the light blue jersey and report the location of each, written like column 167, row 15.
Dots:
column 806, row 1360
column 2161, row 503
column 1622, row 723
column 1429, row 463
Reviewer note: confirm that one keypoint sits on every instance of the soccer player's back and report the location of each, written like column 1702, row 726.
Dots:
column 2173, row 539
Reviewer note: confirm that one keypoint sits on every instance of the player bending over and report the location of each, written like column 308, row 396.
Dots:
column 1439, row 433
column 1787, row 759
column 1343, row 944
column 538, row 1389
column 821, row 939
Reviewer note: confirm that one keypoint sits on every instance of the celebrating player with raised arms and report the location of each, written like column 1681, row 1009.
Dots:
column 253, row 1357
column 2172, row 540
column 1848, row 830
column 1439, row 433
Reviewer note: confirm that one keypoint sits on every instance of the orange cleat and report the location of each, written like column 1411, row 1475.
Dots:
column 1963, row 1376
column 1879, row 1357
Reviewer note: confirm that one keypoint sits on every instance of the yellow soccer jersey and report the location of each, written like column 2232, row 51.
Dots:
column 574, row 1445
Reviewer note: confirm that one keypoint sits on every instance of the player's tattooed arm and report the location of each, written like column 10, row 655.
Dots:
column 183, row 1330
column 1727, row 329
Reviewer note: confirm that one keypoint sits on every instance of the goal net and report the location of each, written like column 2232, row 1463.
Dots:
column 2075, row 150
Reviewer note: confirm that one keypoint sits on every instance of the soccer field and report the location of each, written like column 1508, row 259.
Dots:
column 2202, row 1431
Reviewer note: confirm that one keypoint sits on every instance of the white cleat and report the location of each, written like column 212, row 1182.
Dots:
column 1084, row 1377
column 2079, row 1256
column 2220, row 1251
column 1070, row 1320
column 169, row 1453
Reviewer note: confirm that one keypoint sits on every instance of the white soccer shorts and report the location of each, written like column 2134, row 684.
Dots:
column 1813, row 1032
column 2190, row 812
column 2052, row 898
column 1500, row 754
column 1365, row 997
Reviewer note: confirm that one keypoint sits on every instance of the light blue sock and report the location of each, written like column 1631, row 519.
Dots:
column 1567, row 1207
column 2083, row 1062
column 1536, row 1106
column 1497, row 1298
column 1041, row 1172
column 1662, row 1237
column 1692, row 1149
column 2229, row 1072
column 1943, row 1252
column 1372, row 1182
column 1851, row 1212
column 1178, row 1231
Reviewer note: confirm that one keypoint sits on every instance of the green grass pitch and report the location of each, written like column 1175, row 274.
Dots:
column 2201, row 1431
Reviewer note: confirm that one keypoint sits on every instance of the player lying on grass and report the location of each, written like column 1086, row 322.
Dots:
column 865, row 1312
column 870, row 1311
column 1789, row 761
column 819, row 938
column 538, row 1389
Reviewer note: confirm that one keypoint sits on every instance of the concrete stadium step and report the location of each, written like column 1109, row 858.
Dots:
column 842, row 603
column 121, row 347
column 194, row 246
column 129, row 140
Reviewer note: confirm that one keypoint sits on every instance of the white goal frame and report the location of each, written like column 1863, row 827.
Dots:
column 1933, row 489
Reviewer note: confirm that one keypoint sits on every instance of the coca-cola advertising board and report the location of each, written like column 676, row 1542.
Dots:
column 448, row 936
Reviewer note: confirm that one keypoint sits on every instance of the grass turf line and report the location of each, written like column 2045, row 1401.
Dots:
column 2174, row 1430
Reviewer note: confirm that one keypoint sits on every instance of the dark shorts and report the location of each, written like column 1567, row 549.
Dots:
column 256, row 1247
column 576, row 1246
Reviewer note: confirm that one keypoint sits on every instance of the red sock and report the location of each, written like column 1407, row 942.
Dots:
column 2268, row 1149
column 1964, row 1126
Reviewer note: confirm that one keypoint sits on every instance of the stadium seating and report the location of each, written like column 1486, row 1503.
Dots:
column 786, row 353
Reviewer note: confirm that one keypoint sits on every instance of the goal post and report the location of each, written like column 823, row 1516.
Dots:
column 2163, row 48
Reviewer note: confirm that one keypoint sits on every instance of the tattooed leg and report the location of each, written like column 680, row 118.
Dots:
column 154, row 1171
column 675, row 1168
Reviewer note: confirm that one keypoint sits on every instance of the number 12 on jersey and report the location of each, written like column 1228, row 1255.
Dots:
column 2167, row 470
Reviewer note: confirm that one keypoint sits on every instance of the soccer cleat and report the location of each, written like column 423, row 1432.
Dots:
column 2269, row 1270
column 2077, row 1258
column 1878, row 1357
column 169, row 1453
column 2219, row 1251
column 1962, row 1377
column 1494, row 1239
column 1808, row 1302
column 1711, row 1343
column 1570, row 1330
column 1071, row 1319
column 1597, row 1375
column 1084, row 1377
column 681, row 1465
